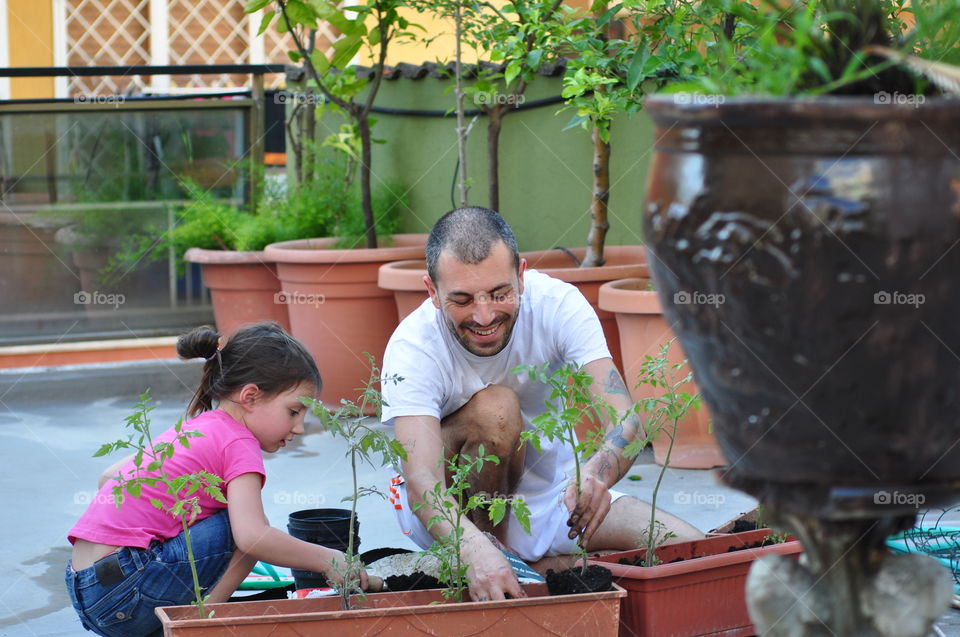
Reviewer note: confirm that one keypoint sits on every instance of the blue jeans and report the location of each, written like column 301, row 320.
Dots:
column 116, row 596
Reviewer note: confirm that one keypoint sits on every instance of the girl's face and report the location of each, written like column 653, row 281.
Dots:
column 275, row 420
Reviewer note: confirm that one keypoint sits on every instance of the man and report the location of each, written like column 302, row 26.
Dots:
column 455, row 355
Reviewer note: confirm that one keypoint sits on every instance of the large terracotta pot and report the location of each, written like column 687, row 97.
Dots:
column 405, row 280
column 827, row 229
column 244, row 288
column 621, row 262
column 408, row 614
column 643, row 332
column 336, row 308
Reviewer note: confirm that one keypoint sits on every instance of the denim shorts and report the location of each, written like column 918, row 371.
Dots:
column 116, row 596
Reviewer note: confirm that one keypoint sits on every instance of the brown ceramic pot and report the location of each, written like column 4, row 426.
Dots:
column 826, row 228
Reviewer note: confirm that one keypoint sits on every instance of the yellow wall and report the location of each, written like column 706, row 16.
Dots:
column 30, row 26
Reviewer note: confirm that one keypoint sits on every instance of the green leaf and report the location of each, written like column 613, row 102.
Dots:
column 265, row 22
column 104, row 450
column 156, row 503
column 255, row 5
column 533, row 59
column 319, row 61
column 513, row 70
column 498, row 509
column 344, row 50
column 636, row 72
column 300, row 13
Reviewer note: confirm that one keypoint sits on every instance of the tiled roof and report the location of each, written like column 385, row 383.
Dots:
column 418, row 71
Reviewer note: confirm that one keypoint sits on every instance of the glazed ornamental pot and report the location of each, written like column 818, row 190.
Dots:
column 805, row 252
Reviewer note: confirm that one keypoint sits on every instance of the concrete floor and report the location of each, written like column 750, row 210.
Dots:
column 51, row 422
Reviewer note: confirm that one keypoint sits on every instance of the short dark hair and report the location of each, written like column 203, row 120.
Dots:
column 261, row 353
column 470, row 234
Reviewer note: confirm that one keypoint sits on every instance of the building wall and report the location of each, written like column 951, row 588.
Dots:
column 30, row 38
column 545, row 171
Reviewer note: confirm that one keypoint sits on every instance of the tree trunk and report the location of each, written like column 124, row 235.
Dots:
column 461, row 124
column 495, row 114
column 366, row 155
column 598, row 204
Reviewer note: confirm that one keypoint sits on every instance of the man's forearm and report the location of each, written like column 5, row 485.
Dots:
column 609, row 463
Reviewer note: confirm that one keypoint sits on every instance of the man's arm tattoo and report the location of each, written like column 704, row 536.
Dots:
column 614, row 384
column 615, row 437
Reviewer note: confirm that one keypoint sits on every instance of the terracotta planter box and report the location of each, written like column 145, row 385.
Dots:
column 643, row 331
column 404, row 614
column 702, row 596
column 244, row 288
column 335, row 306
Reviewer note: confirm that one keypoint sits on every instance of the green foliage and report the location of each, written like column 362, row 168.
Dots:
column 366, row 442
column 818, row 47
column 663, row 413
column 183, row 488
column 342, row 90
column 328, row 205
column 451, row 503
column 570, row 401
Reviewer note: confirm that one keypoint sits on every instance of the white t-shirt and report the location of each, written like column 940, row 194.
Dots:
column 555, row 324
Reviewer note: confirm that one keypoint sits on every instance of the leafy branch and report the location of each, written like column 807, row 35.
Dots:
column 183, row 489
column 365, row 443
column 451, row 503
column 571, row 401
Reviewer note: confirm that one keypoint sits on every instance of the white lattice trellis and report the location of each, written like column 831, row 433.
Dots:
column 107, row 32
column 120, row 32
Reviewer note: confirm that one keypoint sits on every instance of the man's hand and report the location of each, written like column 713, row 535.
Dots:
column 488, row 571
column 590, row 510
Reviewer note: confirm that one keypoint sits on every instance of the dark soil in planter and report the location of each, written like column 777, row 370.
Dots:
column 739, row 526
column 640, row 561
column 416, row 581
column 571, row 581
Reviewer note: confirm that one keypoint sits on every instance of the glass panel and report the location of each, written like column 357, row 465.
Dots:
column 74, row 186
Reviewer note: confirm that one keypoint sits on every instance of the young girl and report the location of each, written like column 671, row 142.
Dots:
column 127, row 561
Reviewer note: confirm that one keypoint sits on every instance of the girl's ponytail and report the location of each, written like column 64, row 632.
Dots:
column 261, row 354
column 203, row 342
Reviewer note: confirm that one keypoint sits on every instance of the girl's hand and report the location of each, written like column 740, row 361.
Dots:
column 336, row 566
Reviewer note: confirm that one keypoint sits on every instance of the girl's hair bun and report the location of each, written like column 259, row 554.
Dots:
column 199, row 343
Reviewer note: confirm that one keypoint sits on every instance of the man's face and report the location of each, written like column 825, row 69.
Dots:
column 479, row 302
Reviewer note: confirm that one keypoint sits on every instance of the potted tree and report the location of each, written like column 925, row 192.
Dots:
column 329, row 282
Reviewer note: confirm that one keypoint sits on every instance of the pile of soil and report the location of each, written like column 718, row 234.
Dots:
column 416, row 581
column 571, row 581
